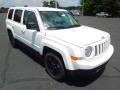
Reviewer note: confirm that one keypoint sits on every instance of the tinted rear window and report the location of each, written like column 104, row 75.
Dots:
column 17, row 16
column 10, row 14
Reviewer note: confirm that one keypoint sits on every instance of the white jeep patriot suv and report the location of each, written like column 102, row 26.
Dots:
column 56, row 35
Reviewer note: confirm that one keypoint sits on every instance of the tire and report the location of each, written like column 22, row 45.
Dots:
column 12, row 40
column 54, row 66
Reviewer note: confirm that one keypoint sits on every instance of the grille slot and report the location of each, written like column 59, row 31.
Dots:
column 95, row 50
column 100, row 48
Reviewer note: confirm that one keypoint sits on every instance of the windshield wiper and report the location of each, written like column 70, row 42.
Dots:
column 56, row 28
column 61, row 27
column 73, row 26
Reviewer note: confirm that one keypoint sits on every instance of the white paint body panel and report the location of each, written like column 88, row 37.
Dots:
column 67, row 42
column 79, row 36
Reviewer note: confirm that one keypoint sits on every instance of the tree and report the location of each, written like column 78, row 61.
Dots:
column 98, row 6
column 88, row 7
column 2, row 7
column 91, row 7
column 52, row 3
column 112, row 7
column 45, row 4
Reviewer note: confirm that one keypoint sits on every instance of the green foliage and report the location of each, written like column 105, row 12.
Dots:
column 91, row 7
column 50, row 4
column 88, row 7
column 45, row 4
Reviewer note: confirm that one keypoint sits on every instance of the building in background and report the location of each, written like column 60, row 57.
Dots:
column 3, row 10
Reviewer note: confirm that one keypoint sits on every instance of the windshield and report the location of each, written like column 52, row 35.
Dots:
column 58, row 20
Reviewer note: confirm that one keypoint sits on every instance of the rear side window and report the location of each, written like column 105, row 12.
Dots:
column 10, row 14
column 17, row 15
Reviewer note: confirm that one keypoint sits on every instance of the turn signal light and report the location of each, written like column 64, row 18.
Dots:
column 74, row 58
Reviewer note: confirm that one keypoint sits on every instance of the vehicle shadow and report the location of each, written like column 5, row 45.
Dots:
column 82, row 81
column 35, row 56
column 79, row 81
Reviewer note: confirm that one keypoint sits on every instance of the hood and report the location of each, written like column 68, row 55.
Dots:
column 79, row 36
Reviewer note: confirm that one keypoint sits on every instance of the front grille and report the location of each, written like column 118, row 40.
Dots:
column 100, row 48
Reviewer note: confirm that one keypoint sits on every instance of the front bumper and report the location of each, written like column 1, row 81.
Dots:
column 80, row 72
column 94, row 62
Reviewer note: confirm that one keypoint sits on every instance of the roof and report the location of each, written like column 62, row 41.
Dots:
column 39, row 8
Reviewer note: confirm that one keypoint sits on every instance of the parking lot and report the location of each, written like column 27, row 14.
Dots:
column 22, row 69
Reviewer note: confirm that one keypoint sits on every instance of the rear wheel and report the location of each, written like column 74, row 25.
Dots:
column 54, row 66
column 12, row 40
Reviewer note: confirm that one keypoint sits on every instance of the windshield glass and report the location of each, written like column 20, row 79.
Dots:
column 58, row 20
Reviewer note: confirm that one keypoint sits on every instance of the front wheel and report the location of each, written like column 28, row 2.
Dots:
column 54, row 66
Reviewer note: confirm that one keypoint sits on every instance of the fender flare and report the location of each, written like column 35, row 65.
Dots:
column 11, row 29
column 59, row 49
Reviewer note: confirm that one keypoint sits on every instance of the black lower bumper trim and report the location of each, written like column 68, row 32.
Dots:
column 86, row 72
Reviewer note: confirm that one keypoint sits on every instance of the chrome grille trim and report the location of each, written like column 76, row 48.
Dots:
column 100, row 48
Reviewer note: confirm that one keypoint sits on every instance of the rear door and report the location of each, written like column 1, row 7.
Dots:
column 17, row 26
column 9, row 17
column 9, row 21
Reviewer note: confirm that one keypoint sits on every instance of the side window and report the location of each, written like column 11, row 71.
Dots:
column 30, row 20
column 17, row 15
column 10, row 14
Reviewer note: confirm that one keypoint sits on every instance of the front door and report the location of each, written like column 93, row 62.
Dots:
column 31, row 34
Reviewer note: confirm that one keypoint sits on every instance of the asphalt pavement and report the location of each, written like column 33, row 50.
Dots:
column 22, row 69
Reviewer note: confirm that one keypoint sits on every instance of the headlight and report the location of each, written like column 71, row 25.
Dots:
column 88, row 51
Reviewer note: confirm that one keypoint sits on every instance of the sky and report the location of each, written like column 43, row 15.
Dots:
column 66, row 3
column 8, row 3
